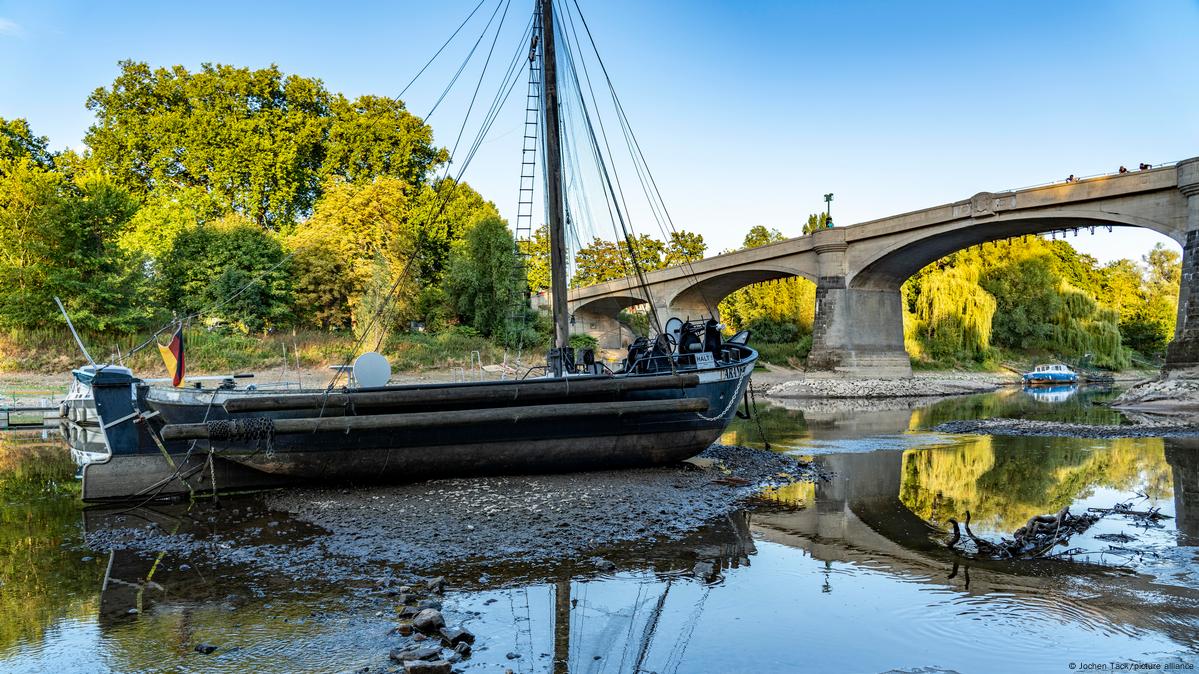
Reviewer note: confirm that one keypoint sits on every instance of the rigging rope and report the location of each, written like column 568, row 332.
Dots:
column 635, row 151
column 260, row 275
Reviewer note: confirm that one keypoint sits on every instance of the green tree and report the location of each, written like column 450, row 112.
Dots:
column 264, row 144
column 233, row 272
column 759, row 235
column 537, row 259
column 684, row 247
column 376, row 136
column 254, row 138
column 815, row 223
column 58, row 238
column 1149, row 324
column 597, row 262
column 18, row 142
column 952, row 314
column 482, row 285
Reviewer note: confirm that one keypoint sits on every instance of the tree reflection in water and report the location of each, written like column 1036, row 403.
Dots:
column 1003, row 481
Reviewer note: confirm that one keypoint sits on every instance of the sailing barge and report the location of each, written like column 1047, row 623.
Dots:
column 169, row 441
column 672, row 397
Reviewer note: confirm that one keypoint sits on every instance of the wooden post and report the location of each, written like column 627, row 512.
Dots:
column 553, row 183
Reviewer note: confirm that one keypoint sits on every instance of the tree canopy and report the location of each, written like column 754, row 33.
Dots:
column 262, row 143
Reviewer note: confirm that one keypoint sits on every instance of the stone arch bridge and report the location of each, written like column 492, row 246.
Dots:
column 858, row 269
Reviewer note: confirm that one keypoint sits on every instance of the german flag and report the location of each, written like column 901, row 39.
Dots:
column 172, row 355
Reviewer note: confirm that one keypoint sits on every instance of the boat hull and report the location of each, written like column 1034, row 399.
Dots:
column 1049, row 379
column 522, row 445
column 580, row 440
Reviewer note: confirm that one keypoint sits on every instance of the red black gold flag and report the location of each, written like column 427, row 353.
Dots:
column 172, row 355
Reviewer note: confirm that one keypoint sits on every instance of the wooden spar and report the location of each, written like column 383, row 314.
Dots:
column 553, row 185
column 428, row 419
column 517, row 391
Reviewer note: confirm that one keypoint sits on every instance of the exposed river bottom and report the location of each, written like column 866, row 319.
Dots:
column 837, row 564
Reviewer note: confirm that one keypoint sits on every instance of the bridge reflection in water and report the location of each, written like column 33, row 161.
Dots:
column 669, row 604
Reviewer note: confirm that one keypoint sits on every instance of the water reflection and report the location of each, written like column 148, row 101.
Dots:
column 831, row 425
column 855, row 560
column 1051, row 394
column 1003, row 481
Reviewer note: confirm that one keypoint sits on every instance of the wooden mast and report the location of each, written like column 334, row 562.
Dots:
column 553, row 180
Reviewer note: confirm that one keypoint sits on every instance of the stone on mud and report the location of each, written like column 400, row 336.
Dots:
column 428, row 620
column 415, row 653
column 456, row 635
column 426, row 667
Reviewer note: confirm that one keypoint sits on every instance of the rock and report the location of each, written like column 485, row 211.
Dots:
column 87, row 559
column 513, row 656
column 703, row 569
column 428, row 603
column 425, row 667
column 436, row 585
column 456, row 635
column 408, row 611
column 205, row 648
column 133, row 611
column 404, row 629
column 415, row 653
column 428, row 620
column 462, row 649
column 407, row 598
column 604, row 565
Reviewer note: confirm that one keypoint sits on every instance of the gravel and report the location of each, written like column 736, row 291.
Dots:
column 377, row 533
column 1059, row 429
column 1161, row 396
column 916, row 387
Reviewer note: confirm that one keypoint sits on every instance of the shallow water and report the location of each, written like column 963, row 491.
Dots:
column 844, row 575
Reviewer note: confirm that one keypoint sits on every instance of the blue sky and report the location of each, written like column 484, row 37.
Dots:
column 748, row 112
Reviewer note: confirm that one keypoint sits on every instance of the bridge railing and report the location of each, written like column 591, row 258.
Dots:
column 1078, row 179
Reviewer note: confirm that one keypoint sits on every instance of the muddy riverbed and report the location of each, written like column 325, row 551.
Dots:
column 679, row 570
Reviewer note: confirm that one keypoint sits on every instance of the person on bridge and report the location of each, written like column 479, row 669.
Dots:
column 1123, row 169
column 1071, row 179
column 1145, row 167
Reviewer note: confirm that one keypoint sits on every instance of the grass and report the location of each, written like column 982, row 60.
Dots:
column 789, row 354
column 54, row 351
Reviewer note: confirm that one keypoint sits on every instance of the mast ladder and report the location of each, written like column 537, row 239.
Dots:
column 529, row 150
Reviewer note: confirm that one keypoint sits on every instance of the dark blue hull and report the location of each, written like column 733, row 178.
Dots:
column 506, row 437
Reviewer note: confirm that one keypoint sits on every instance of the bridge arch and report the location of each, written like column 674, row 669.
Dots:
column 711, row 288
column 887, row 269
column 598, row 317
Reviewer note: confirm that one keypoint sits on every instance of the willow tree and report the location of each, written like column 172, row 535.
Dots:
column 951, row 313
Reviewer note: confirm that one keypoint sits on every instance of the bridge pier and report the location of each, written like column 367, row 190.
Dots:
column 856, row 331
column 609, row 332
column 1182, row 356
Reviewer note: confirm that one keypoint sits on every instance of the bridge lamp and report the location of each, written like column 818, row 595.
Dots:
column 828, row 205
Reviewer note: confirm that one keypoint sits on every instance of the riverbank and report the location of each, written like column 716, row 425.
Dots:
column 1146, row 428
column 1161, row 396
